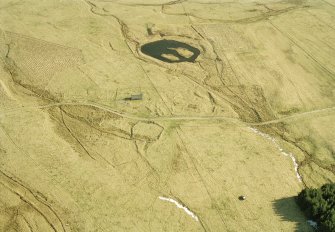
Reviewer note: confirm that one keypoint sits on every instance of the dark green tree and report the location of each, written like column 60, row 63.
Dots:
column 319, row 205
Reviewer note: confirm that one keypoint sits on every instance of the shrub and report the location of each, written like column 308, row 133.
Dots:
column 319, row 205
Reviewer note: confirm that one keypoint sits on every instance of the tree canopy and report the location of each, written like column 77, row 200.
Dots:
column 319, row 205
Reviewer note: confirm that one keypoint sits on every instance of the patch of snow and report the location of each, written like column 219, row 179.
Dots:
column 189, row 212
column 273, row 140
column 312, row 223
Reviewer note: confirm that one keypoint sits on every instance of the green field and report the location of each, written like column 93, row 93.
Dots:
column 238, row 99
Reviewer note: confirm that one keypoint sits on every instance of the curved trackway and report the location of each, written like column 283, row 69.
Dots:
column 294, row 116
column 168, row 118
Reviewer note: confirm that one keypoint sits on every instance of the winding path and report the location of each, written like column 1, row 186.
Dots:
column 169, row 118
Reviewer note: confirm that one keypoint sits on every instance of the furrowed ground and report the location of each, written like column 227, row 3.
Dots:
column 250, row 111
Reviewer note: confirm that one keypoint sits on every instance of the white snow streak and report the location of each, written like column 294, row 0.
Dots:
column 273, row 140
column 189, row 212
column 312, row 223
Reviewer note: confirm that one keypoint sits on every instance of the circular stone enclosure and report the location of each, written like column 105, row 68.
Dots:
column 170, row 51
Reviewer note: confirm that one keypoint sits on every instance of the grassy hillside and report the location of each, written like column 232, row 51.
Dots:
column 252, row 115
